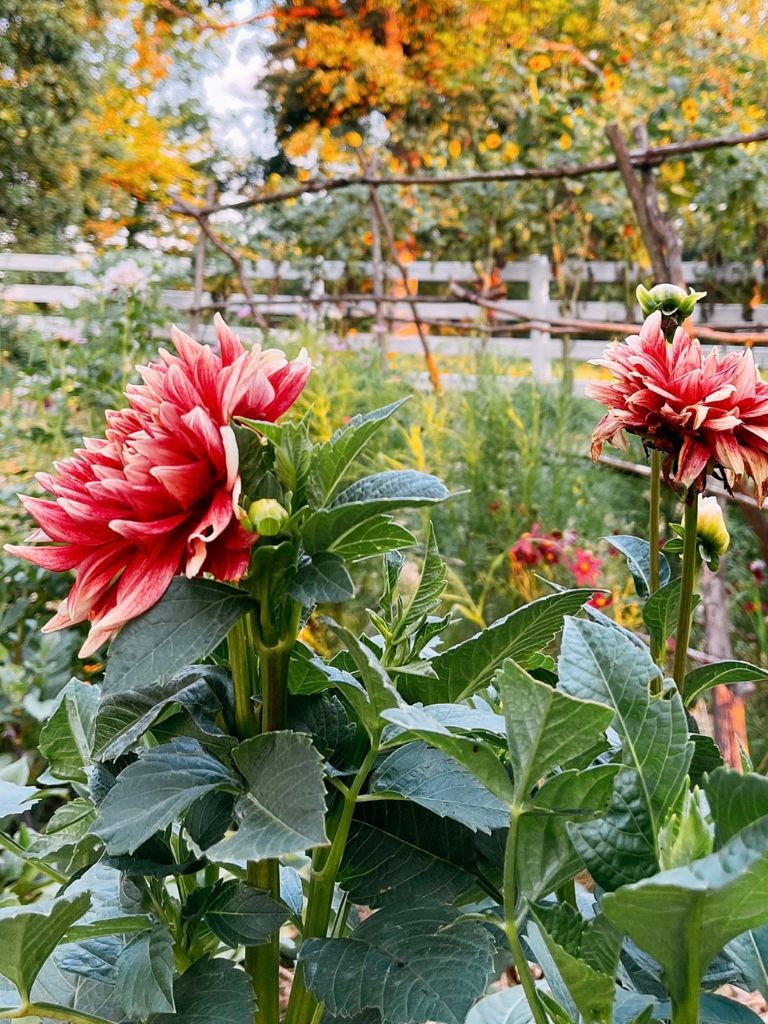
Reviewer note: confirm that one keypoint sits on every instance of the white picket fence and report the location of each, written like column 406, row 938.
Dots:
column 541, row 348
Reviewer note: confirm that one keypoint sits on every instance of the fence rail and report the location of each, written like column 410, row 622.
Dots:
column 542, row 348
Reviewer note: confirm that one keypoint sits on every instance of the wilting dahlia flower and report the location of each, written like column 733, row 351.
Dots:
column 157, row 496
column 702, row 412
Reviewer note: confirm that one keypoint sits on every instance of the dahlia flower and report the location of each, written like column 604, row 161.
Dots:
column 157, row 497
column 702, row 412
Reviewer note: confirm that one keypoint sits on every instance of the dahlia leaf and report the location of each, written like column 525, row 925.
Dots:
column 152, row 792
column 210, row 990
column 749, row 952
column 471, row 665
column 586, row 955
column 735, row 801
column 29, row 934
column 333, row 458
column 201, row 692
column 474, row 755
column 426, row 598
column 433, row 779
column 399, row 852
column 600, row 664
column 352, row 535
column 660, row 612
column 546, row 728
column 706, row 757
column 188, row 622
column 394, row 489
column 145, row 969
column 283, row 811
column 15, row 799
column 420, row 963
column 322, row 580
column 238, row 914
column 66, row 827
column 66, row 740
column 703, row 678
column 638, row 555
column 323, row 717
column 684, row 916
column 309, row 673
column 209, row 818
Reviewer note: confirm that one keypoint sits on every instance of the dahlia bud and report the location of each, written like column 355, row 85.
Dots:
column 673, row 302
column 267, row 517
column 711, row 531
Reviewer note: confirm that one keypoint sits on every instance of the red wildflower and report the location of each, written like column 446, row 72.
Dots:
column 585, row 567
column 157, row 496
column 703, row 412
column 534, row 547
column 600, row 600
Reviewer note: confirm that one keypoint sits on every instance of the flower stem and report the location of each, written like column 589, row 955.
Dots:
column 245, row 676
column 653, row 526
column 303, row 1007
column 42, row 867
column 687, row 586
column 52, row 1011
column 510, row 900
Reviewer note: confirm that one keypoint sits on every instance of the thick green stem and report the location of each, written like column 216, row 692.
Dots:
column 510, row 900
column 653, row 524
column 687, row 586
column 303, row 1007
column 245, row 676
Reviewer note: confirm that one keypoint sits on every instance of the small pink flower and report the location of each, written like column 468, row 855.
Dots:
column 585, row 567
column 157, row 496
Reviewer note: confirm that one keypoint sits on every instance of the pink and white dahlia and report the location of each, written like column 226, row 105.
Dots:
column 157, row 496
column 703, row 412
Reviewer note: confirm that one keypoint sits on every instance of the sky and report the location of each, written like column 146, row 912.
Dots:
column 232, row 92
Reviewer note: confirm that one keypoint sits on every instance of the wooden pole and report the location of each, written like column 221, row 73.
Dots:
column 380, row 322
column 199, row 285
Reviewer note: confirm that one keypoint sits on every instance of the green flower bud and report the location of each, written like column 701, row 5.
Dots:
column 711, row 531
column 671, row 301
column 687, row 833
column 267, row 516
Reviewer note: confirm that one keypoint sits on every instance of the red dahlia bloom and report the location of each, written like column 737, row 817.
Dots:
column 585, row 567
column 703, row 412
column 157, row 496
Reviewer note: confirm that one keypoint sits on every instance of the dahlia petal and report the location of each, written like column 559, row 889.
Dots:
column 56, row 559
column 726, row 450
column 692, row 461
column 231, row 346
column 288, row 383
column 188, row 484
column 189, row 350
column 55, row 521
column 143, row 583
column 232, row 454
column 757, row 464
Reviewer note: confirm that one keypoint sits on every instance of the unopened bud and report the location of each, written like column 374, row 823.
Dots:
column 267, row 516
column 669, row 300
column 710, row 527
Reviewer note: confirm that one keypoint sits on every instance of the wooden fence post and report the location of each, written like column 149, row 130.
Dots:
column 539, row 277
column 199, row 286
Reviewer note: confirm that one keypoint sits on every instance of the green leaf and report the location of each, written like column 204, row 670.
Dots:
column 601, row 664
column 419, row 964
column 546, row 856
column 380, row 692
column 703, row 678
column 399, row 852
column 283, row 811
column 394, row 489
column 209, row 818
column 352, row 532
column 749, row 952
column 238, row 914
column 706, row 757
column 29, row 934
column 324, row 718
column 660, row 613
column 323, row 579
column 735, row 801
column 145, row 970
column 426, row 598
column 333, row 458
column 309, row 673
column 66, row 740
column 123, row 718
column 433, row 779
column 586, row 954
column 683, row 917
column 15, row 799
column 474, row 754
column 638, row 555
column 67, row 826
column 210, row 991
column 507, row 1006
column 471, row 665
column 545, row 728
column 186, row 624
column 155, row 790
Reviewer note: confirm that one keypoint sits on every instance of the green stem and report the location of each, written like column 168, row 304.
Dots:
column 245, row 676
column 41, row 866
column 53, row 1011
column 686, row 1004
column 303, row 1007
column 687, row 586
column 510, row 900
column 653, row 525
